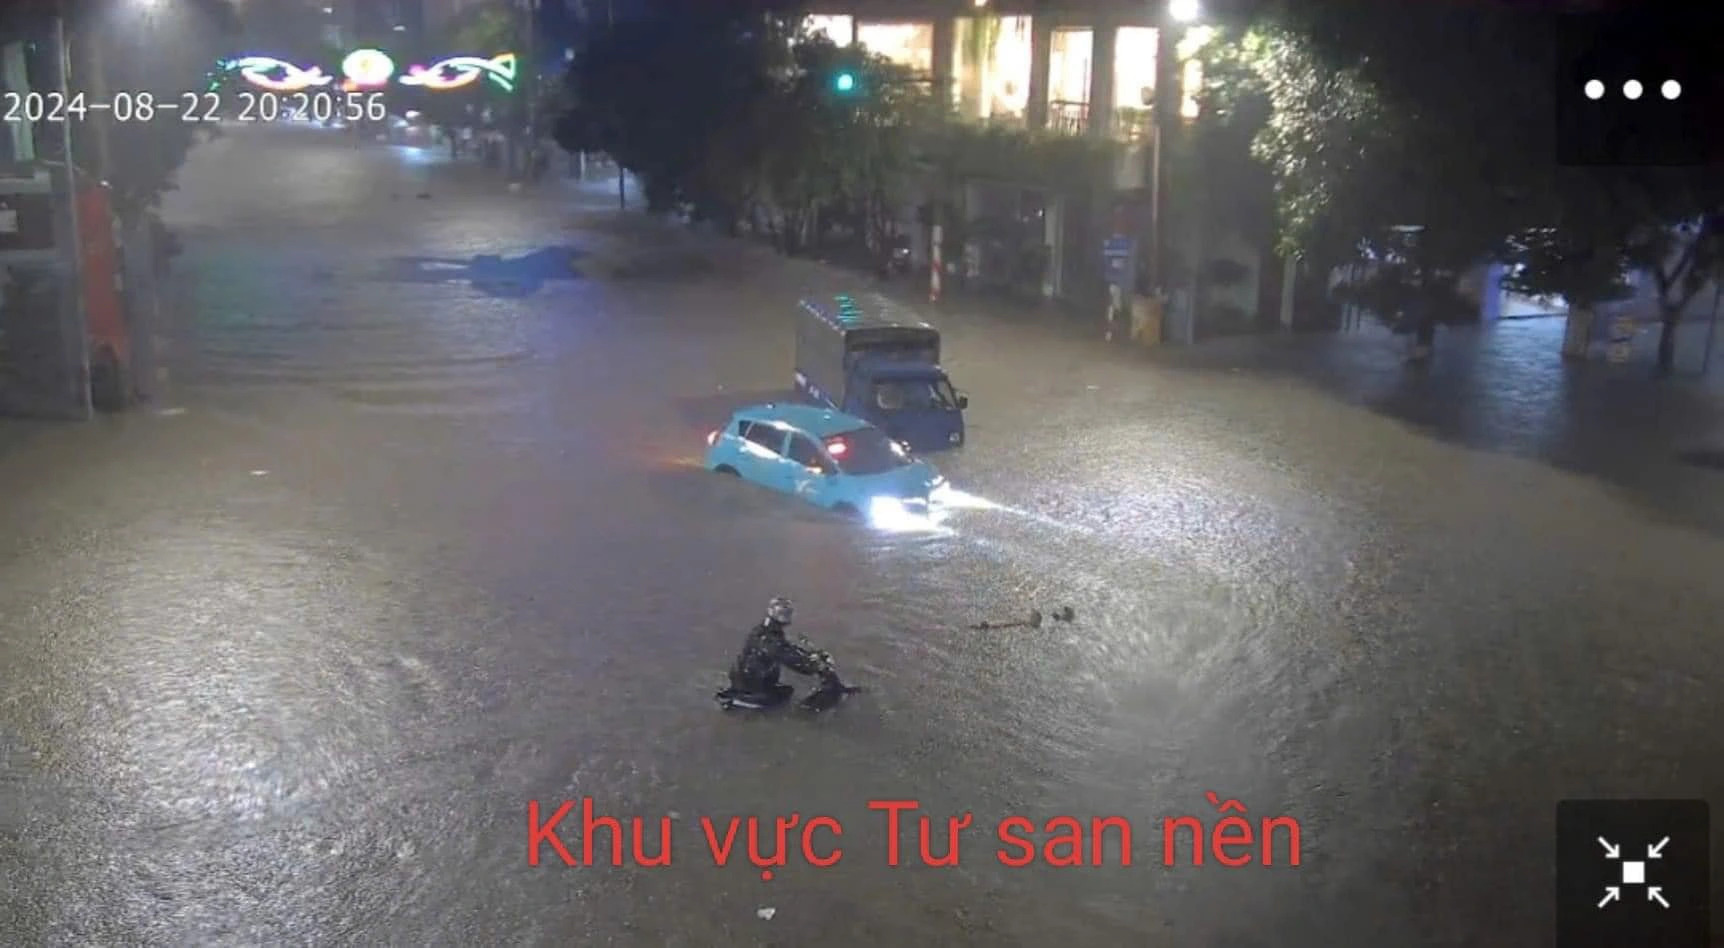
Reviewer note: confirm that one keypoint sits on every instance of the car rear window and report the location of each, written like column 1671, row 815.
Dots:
column 866, row 451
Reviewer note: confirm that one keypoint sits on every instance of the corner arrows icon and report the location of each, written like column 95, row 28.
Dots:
column 1611, row 850
column 1656, row 894
column 1656, row 850
column 1610, row 895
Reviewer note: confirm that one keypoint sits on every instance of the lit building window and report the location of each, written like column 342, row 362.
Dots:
column 991, row 66
column 1191, row 69
column 1134, row 68
column 838, row 29
column 907, row 44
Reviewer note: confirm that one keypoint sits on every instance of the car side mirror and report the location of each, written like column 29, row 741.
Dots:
column 963, row 402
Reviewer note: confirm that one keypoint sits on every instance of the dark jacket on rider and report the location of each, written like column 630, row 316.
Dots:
column 765, row 652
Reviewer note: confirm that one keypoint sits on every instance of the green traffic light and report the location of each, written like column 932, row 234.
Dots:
column 845, row 82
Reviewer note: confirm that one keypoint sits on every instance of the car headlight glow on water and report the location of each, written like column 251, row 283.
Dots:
column 945, row 497
column 897, row 516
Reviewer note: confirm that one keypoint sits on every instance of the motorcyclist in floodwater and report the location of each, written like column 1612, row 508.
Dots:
column 754, row 676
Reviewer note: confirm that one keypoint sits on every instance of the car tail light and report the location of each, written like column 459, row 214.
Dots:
column 836, row 447
column 712, row 439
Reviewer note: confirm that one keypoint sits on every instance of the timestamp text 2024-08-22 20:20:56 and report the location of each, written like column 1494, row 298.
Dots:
column 204, row 106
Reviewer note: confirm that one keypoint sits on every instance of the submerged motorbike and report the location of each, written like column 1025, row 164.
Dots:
column 828, row 694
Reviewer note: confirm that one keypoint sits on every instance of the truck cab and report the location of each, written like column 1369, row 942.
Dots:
column 886, row 370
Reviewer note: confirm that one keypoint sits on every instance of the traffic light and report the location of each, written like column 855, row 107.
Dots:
column 844, row 81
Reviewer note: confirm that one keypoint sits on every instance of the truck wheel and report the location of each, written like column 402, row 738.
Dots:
column 109, row 389
column 726, row 469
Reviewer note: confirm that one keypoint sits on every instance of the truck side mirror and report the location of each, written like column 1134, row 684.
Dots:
column 963, row 402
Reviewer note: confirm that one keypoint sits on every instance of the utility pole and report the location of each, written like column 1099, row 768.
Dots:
column 74, row 320
column 1171, row 18
column 95, row 82
column 530, row 88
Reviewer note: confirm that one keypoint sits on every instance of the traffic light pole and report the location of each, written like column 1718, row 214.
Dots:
column 526, row 107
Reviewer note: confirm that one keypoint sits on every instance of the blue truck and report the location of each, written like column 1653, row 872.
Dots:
column 878, row 368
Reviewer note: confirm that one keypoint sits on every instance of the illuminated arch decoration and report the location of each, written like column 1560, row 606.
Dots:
column 458, row 72
column 277, row 75
column 366, row 69
column 371, row 69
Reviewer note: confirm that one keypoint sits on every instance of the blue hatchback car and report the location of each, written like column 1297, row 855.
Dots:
column 827, row 458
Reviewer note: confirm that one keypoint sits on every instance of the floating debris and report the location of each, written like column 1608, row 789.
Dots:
column 1033, row 621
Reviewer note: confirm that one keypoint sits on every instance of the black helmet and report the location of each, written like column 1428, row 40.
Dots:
column 779, row 611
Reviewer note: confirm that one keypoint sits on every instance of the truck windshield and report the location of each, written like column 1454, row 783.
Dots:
column 866, row 451
column 915, row 395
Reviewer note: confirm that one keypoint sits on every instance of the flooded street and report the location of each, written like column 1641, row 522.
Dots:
column 419, row 536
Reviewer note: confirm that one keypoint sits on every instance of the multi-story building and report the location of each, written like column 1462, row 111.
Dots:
column 1062, row 67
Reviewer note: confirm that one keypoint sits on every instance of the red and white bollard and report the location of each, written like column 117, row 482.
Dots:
column 936, row 266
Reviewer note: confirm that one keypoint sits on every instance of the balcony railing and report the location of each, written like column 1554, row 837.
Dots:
column 1130, row 125
column 1072, row 118
column 1068, row 118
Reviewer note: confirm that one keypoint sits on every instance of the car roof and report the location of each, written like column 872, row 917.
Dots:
column 819, row 422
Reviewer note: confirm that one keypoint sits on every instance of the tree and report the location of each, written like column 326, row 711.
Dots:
column 487, row 29
column 680, row 96
column 157, row 52
column 290, row 29
column 1380, row 148
column 1394, row 114
column 731, row 113
column 1607, row 222
column 166, row 51
column 852, row 126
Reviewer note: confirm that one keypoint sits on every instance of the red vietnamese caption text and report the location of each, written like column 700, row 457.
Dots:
column 571, row 833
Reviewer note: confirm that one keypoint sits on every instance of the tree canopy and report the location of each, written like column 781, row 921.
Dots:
column 1385, row 117
column 290, row 29
column 733, row 113
column 168, row 50
column 159, row 50
column 1420, row 138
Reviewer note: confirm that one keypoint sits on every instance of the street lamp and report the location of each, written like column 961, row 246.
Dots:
column 1184, row 11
